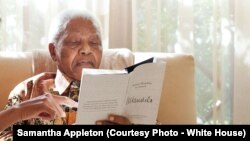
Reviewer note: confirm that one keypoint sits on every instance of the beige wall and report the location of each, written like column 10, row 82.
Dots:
column 241, row 102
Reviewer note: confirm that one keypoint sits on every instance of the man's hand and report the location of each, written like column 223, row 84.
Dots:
column 114, row 120
column 45, row 106
column 42, row 83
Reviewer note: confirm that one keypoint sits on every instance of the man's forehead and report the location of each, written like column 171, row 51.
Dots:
column 79, row 20
column 69, row 34
column 81, row 27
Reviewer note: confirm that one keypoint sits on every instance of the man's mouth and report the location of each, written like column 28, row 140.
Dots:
column 85, row 64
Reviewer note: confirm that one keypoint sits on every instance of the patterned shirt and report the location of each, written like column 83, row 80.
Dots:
column 60, row 85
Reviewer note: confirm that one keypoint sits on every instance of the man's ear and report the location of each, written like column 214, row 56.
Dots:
column 52, row 51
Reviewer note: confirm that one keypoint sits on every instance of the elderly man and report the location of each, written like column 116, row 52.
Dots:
column 74, row 43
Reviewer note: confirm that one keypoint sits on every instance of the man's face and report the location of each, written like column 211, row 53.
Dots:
column 78, row 47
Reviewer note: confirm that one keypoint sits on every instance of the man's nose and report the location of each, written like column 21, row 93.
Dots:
column 85, row 49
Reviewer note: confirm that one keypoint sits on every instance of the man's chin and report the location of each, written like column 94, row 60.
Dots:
column 78, row 71
column 78, row 77
column 77, row 74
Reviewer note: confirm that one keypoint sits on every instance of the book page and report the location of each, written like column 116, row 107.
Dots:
column 144, row 92
column 94, row 104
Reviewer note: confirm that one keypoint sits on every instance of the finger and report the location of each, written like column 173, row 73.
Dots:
column 47, row 113
column 52, row 103
column 44, row 76
column 63, row 100
column 38, row 84
column 43, row 114
column 105, row 122
column 48, row 108
column 48, row 85
column 37, row 108
column 118, row 119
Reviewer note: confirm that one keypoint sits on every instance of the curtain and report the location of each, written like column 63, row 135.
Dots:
column 120, row 31
column 24, row 24
column 216, row 33
column 242, row 63
column 202, row 28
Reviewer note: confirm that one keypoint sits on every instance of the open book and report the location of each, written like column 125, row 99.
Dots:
column 133, row 92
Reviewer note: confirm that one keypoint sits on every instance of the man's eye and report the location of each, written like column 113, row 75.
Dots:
column 75, row 43
column 72, row 43
column 94, row 43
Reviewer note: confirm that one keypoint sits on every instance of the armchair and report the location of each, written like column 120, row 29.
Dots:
column 177, row 105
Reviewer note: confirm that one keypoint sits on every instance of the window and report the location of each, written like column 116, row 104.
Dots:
column 25, row 23
column 202, row 28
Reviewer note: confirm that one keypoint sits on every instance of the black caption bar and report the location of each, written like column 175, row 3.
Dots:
column 80, row 132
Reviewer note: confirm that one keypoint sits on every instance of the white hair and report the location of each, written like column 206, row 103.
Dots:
column 59, row 24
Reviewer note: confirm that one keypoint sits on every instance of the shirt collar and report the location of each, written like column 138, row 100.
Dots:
column 61, row 82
